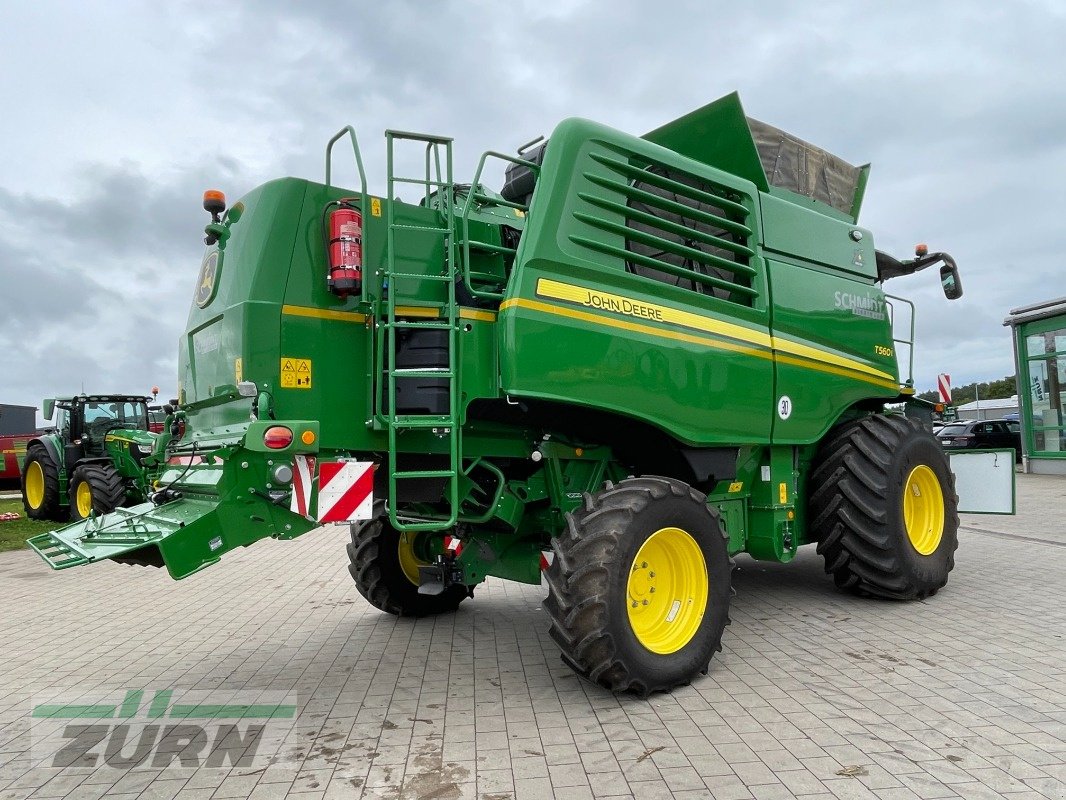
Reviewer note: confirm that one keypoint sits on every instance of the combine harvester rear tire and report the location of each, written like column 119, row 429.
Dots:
column 40, row 485
column 884, row 505
column 95, row 487
column 384, row 566
column 638, row 592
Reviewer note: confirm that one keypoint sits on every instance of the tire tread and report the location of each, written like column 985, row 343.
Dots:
column 849, row 511
column 578, row 586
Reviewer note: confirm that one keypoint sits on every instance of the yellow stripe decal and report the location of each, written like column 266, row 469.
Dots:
column 483, row 316
column 638, row 308
column 416, row 311
column 831, row 370
column 636, row 327
column 789, row 352
column 815, row 354
column 323, row 313
column 404, row 311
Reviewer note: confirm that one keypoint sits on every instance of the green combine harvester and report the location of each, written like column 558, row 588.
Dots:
column 642, row 356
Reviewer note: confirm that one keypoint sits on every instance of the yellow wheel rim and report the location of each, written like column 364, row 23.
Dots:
column 409, row 562
column 35, row 485
column 923, row 510
column 667, row 591
column 83, row 497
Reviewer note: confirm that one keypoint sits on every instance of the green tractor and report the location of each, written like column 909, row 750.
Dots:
column 639, row 358
column 93, row 461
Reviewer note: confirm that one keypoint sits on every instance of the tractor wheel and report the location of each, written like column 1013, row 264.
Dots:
column 95, row 488
column 884, row 508
column 40, row 485
column 638, row 592
column 384, row 565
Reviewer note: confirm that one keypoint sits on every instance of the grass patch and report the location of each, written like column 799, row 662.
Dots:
column 13, row 535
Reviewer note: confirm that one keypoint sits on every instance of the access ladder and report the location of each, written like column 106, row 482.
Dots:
column 397, row 318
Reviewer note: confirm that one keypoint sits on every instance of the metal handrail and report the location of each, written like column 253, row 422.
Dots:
column 909, row 342
column 347, row 129
column 363, row 200
column 471, row 197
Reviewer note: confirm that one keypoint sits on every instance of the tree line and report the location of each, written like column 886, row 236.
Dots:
column 990, row 390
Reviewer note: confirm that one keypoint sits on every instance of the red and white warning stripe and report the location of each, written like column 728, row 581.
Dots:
column 546, row 559
column 943, row 383
column 302, row 480
column 345, row 490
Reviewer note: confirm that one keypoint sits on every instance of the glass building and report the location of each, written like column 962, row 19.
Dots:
column 1040, row 358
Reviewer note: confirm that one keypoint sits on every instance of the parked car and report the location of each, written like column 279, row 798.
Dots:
column 987, row 434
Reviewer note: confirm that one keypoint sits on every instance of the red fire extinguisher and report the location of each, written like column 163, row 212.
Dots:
column 345, row 249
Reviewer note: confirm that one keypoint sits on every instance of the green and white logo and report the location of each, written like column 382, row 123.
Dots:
column 207, row 281
column 161, row 728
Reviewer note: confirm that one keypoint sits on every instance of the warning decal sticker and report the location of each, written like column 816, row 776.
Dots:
column 302, row 481
column 345, row 490
column 295, row 373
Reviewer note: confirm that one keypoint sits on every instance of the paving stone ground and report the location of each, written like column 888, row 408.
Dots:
column 816, row 695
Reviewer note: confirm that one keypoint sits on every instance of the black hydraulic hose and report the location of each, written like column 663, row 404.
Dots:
column 177, row 480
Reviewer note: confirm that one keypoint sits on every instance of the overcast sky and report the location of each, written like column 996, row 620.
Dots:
column 116, row 116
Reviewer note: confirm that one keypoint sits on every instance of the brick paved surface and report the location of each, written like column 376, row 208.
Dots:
column 816, row 695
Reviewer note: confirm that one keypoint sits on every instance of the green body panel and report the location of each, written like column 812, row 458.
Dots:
column 847, row 321
column 581, row 366
column 572, row 352
column 127, row 450
column 709, row 379
column 716, row 135
column 809, row 234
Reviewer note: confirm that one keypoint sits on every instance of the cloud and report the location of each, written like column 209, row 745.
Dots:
column 97, row 283
column 130, row 112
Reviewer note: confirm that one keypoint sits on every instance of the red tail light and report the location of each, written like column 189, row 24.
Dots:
column 277, row 437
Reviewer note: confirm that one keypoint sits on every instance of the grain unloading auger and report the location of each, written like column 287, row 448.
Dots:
column 642, row 356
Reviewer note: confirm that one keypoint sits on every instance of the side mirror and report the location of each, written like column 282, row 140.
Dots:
column 48, row 408
column 949, row 279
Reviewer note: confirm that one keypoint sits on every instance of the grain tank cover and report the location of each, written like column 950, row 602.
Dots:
column 722, row 136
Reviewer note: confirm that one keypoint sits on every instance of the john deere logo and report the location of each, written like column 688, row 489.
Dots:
column 205, row 284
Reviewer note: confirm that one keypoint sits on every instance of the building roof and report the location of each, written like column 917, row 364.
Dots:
column 989, row 405
column 1031, row 313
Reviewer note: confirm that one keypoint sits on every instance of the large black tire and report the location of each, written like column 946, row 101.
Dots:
column 41, row 472
column 859, row 483
column 95, row 488
column 592, row 578
column 374, row 556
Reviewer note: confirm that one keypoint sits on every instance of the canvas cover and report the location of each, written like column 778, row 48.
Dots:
column 793, row 164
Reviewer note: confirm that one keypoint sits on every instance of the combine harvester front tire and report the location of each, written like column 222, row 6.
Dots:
column 638, row 592
column 885, row 509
